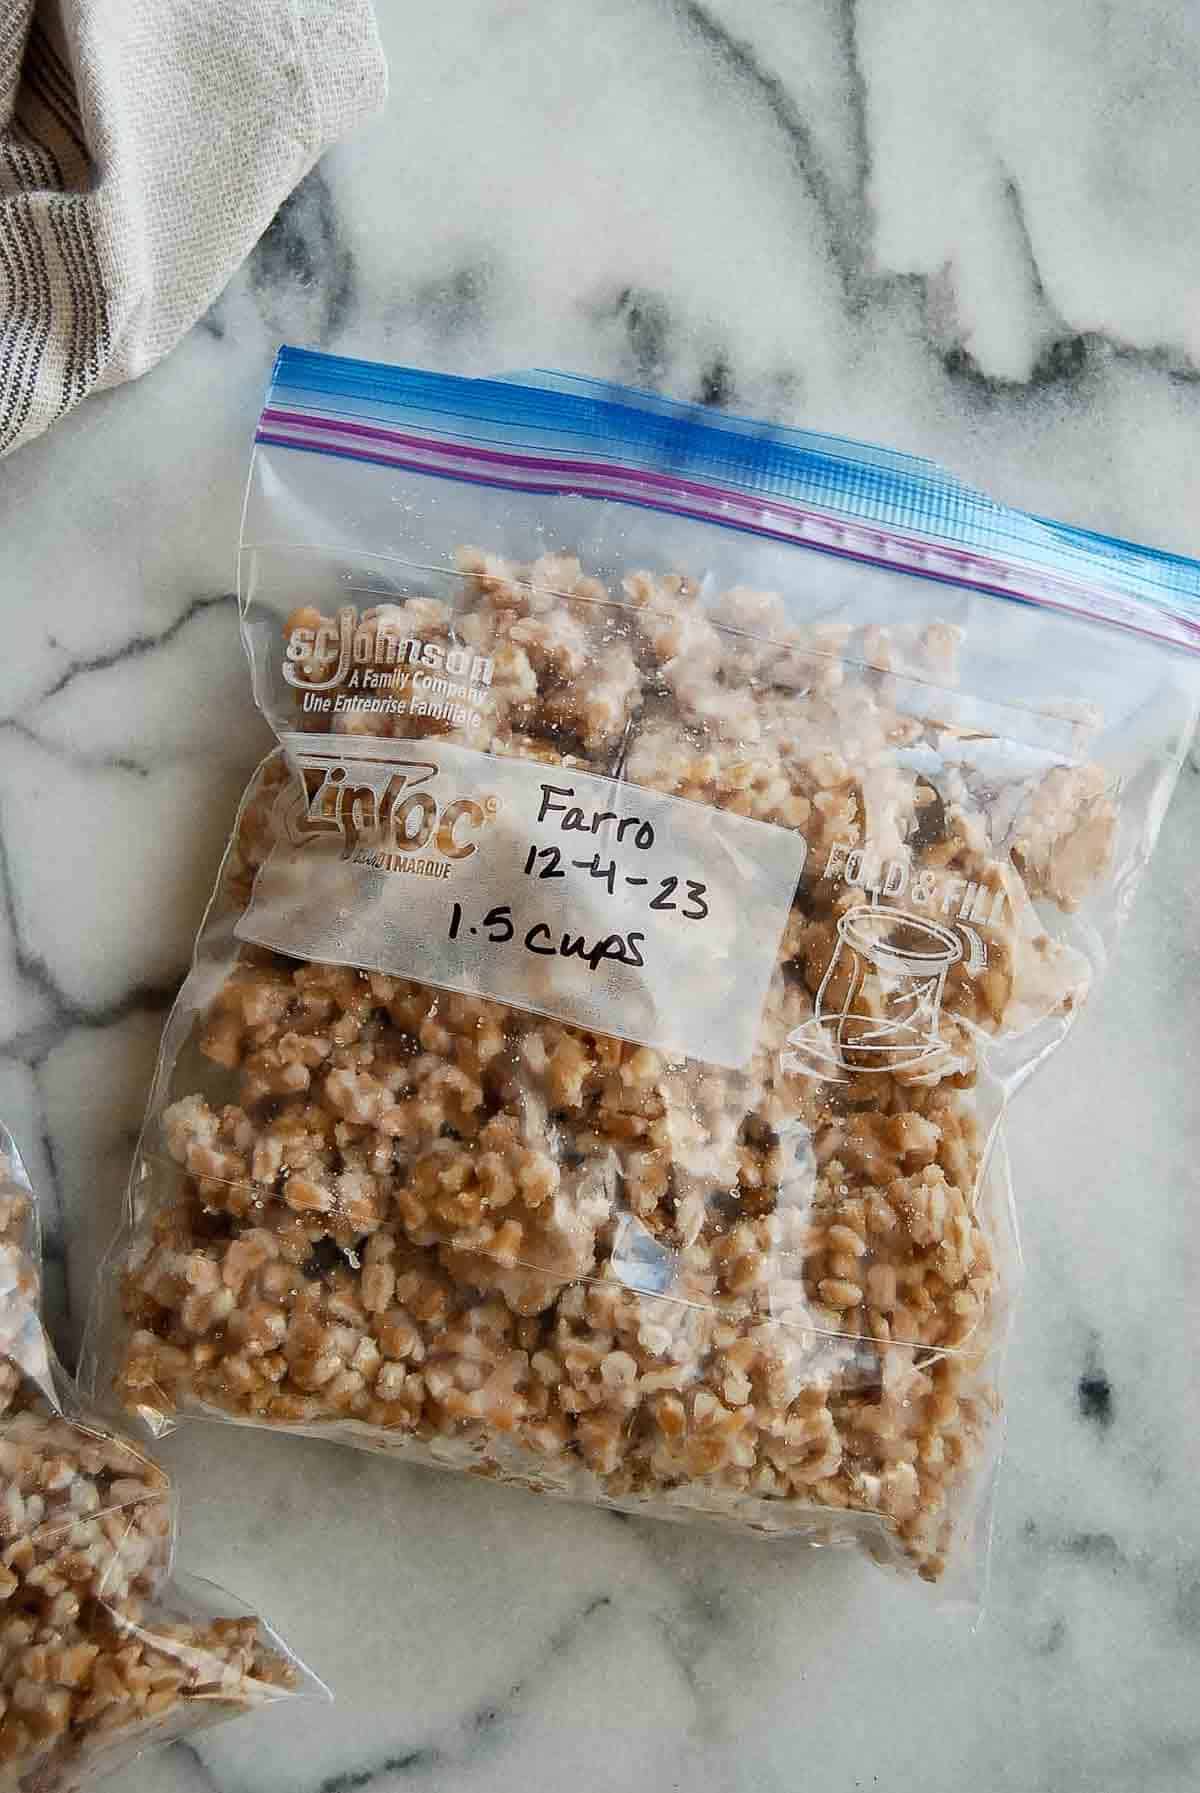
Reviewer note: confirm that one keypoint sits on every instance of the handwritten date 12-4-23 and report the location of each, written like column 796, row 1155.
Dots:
column 498, row 927
column 549, row 862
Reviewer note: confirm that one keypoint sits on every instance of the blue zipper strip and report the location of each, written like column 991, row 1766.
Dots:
column 553, row 421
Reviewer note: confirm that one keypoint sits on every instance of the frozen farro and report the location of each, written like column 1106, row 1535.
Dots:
column 103, row 1649
column 592, row 1069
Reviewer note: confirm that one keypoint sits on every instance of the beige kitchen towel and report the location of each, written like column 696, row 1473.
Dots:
column 144, row 148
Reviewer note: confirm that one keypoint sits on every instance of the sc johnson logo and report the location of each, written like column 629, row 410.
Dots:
column 384, row 815
column 317, row 659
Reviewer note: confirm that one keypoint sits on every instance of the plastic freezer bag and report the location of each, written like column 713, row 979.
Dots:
column 591, row 1068
column 105, row 1649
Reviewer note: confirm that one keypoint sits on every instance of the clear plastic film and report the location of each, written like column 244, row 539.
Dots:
column 592, row 1068
column 105, row 1648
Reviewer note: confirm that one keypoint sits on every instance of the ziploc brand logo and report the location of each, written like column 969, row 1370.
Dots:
column 384, row 812
column 332, row 653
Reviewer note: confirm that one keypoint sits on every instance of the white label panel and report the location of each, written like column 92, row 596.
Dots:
column 602, row 904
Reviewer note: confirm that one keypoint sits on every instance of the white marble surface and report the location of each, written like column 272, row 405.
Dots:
column 967, row 227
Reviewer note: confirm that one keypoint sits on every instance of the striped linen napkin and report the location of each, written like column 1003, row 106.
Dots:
column 144, row 147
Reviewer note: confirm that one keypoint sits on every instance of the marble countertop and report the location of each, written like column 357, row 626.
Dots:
column 964, row 229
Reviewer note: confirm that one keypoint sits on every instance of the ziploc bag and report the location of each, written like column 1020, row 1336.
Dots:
column 685, row 836
column 105, row 1649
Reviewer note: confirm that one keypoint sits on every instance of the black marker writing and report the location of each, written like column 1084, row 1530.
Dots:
column 573, row 819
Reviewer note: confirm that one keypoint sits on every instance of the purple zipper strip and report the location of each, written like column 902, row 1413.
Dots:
column 590, row 470
column 773, row 518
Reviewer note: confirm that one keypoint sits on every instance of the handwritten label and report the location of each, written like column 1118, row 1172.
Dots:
column 600, row 903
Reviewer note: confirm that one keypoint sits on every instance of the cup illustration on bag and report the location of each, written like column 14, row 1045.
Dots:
column 879, row 1004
